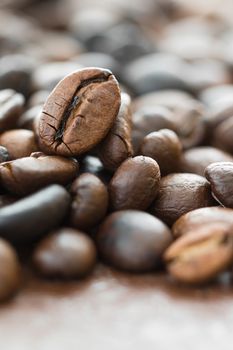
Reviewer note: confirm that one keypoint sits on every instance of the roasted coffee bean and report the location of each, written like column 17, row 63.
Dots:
column 11, row 106
column 117, row 147
column 34, row 216
column 65, row 253
column 220, row 176
column 179, row 194
column 10, row 271
column 195, row 160
column 132, row 240
column 90, row 201
column 79, row 112
column 202, row 254
column 26, row 175
column 135, row 184
column 4, row 155
column 196, row 218
column 19, row 143
column 163, row 146
column 223, row 135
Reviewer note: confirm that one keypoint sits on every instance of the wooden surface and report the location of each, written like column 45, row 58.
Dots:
column 115, row 311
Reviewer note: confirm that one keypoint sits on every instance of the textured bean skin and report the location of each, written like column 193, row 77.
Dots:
column 179, row 194
column 132, row 240
column 220, row 176
column 32, row 217
column 26, row 175
column 90, row 201
column 79, row 112
column 117, row 146
column 65, row 253
column 134, row 184
column 202, row 216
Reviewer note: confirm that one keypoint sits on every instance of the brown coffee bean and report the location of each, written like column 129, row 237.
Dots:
column 90, row 201
column 220, row 176
column 135, row 184
column 223, row 135
column 19, row 143
column 195, row 160
column 117, row 147
column 201, row 255
column 132, row 240
column 4, row 155
column 179, row 194
column 11, row 106
column 10, row 272
column 26, row 175
column 163, row 146
column 65, row 253
column 79, row 112
column 198, row 217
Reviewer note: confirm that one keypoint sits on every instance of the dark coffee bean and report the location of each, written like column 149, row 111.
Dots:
column 135, row 184
column 195, row 160
column 11, row 106
column 196, row 218
column 163, row 146
column 4, row 155
column 10, row 271
column 79, row 112
column 223, row 135
column 90, row 201
column 28, row 119
column 19, row 143
column 65, row 253
column 26, row 175
column 220, row 176
column 179, row 194
column 132, row 240
column 34, row 216
column 201, row 255
column 117, row 147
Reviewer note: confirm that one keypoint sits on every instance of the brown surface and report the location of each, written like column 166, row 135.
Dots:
column 113, row 311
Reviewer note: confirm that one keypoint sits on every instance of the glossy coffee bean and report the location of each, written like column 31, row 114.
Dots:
column 117, row 146
column 198, row 217
column 79, row 112
column 4, row 155
column 132, row 240
column 220, row 176
column 11, row 106
column 195, row 160
column 26, row 175
column 90, row 201
column 135, row 184
column 10, row 271
column 179, row 194
column 202, row 254
column 65, row 253
column 163, row 146
column 32, row 217
column 19, row 143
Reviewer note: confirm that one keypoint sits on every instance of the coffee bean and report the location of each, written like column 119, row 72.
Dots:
column 198, row 217
column 11, row 105
column 10, row 272
column 90, row 201
column 26, row 175
column 65, row 253
column 79, row 112
column 163, row 146
column 179, row 194
column 34, row 216
column 4, row 155
column 135, row 184
column 132, row 240
column 93, row 165
column 201, row 255
column 195, row 160
column 220, row 176
column 117, row 147
column 19, row 143
column 222, row 135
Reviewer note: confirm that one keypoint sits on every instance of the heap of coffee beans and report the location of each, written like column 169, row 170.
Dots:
column 116, row 139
